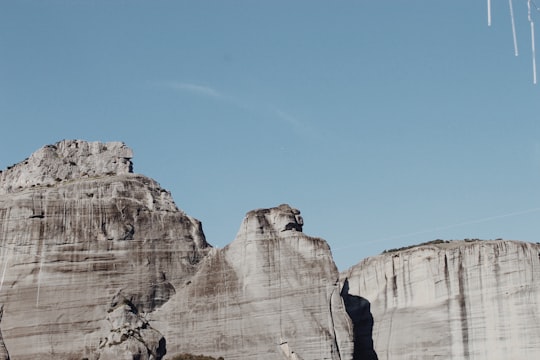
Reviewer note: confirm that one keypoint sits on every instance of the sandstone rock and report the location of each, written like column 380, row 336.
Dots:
column 67, row 160
column 66, row 248
column 130, row 335
column 273, row 293
column 78, row 228
column 456, row 300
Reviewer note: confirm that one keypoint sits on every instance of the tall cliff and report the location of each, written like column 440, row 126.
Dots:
column 453, row 300
column 98, row 263
column 77, row 228
column 273, row 293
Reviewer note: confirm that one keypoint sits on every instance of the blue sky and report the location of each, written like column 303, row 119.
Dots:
column 387, row 123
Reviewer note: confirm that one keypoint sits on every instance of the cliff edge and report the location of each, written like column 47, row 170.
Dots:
column 453, row 300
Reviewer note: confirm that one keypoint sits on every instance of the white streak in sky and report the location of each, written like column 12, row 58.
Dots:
column 195, row 89
column 532, row 40
column 299, row 126
column 513, row 27
column 289, row 118
column 489, row 12
column 261, row 109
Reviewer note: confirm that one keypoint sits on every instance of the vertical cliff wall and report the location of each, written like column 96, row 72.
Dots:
column 271, row 294
column 456, row 300
column 98, row 262
column 76, row 228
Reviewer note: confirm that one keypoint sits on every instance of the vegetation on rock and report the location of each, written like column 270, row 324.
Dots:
column 194, row 357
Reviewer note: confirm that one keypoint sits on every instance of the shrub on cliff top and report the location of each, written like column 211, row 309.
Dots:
column 194, row 357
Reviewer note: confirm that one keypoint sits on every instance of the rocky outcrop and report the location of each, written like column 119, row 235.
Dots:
column 130, row 336
column 76, row 227
column 453, row 300
column 67, row 160
column 273, row 293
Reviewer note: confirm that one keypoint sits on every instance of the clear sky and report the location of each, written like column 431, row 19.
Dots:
column 387, row 123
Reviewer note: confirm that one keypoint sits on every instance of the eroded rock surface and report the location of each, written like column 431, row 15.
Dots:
column 67, row 160
column 69, row 244
column 456, row 300
column 78, row 228
column 130, row 336
column 273, row 293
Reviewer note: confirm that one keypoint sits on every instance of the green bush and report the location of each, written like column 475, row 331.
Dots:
column 194, row 357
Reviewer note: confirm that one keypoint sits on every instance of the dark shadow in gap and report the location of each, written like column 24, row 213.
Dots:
column 359, row 310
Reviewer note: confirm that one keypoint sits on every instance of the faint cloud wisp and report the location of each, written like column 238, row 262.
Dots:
column 298, row 126
column 195, row 89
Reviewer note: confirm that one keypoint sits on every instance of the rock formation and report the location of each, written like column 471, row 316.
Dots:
column 76, row 227
column 453, row 300
column 273, row 293
column 98, row 263
column 130, row 336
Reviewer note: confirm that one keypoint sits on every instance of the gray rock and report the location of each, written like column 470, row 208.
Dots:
column 67, row 160
column 69, row 247
column 78, row 228
column 455, row 300
column 130, row 335
column 273, row 293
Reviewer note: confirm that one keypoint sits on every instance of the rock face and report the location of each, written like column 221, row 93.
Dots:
column 76, row 227
column 67, row 160
column 98, row 263
column 273, row 293
column 130, row 335
column 453, row 300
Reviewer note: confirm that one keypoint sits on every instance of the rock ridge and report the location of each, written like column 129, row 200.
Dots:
column 67, row 160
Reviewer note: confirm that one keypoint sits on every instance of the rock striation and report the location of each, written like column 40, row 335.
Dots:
column 98, row 263
column 77, row 227
column 453, row 300
column 273, row 293
column 130, row 336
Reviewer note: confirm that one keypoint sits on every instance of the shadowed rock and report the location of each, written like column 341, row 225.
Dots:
column 4, row 355
column 359, row 310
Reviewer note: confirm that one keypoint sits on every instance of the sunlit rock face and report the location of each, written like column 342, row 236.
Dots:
column 98, row 263
column 273, row 293
column 453, row 300
column 76, row 228
column 129, row 336
column 67, row 160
